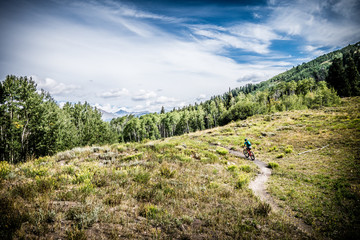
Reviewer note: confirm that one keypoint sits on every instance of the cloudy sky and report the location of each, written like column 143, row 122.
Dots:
column 141, row 55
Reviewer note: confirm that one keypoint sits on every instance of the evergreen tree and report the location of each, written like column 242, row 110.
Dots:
column 336, row 77
column 352, row 78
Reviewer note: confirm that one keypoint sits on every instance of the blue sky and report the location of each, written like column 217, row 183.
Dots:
column 141, row 55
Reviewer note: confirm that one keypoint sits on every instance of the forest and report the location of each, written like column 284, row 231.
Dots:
column 33, row 125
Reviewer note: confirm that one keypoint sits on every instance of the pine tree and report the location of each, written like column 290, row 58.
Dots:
column 336, row 77
column 352, row 78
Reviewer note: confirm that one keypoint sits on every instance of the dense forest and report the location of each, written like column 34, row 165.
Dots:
column 33, row 125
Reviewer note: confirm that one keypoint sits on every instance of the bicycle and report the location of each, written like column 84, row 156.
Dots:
column 248, row 153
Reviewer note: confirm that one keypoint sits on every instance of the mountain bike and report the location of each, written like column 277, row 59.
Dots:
column 248, row 153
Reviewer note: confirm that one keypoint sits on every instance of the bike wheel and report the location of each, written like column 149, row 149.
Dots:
column 252, row 156
column 246, row 154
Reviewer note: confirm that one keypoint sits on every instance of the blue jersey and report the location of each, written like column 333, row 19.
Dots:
column 247, row 143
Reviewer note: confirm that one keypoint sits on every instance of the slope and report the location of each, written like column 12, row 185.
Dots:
column 186, row 188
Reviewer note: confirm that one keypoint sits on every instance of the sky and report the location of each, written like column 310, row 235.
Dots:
column 141, row 55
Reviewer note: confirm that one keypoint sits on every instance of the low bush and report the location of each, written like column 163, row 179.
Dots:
column 5, row 169
column 273, row 165
column 222, row 151
column 83, row 216
column 245, row 168
column 281, row 155
column 273, row 149
column 166, row 172
column 150, row 211
column 232, row 168
column 263, row 209
column 241, row 181
column 289, row 149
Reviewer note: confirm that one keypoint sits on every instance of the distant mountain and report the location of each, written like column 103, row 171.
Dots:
column 107, row 116
column 121, row 113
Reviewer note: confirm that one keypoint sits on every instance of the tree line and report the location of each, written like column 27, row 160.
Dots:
column 220, row 110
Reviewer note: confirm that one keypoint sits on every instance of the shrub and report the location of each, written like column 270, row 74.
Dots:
column 33, row 172
column 274, row 148
column 245, row 168
column 45, row 184
column 150, row 211
column 222, row 151
column 281, row 155
column 289, row 149
column 76, row 234
column 5, row 169
column 232, row 168
column 82, row 176
column 241, row 181
column 87, row 187
column 214, row 185
column 142, row 177
column 69, row 170
column 166, row 172
column 133, row 157
column 68, row 155
column 84, row 216
column 263, row 209
column 273, row 165
column 114, row 199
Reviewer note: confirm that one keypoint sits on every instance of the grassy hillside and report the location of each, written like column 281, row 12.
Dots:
column 189, row 187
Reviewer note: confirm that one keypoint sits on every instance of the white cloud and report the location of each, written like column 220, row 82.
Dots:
column 143, row 95
column 331, row 23
column 250, row 37
column 54, row 87
column 163, row 99
column 115, row 93
column 201, row 97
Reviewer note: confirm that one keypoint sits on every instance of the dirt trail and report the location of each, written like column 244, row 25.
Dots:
column 258, row 186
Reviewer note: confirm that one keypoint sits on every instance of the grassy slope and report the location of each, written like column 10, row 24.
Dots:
column 184, row 187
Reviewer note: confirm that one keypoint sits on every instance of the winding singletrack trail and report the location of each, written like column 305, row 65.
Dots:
column 258, row 186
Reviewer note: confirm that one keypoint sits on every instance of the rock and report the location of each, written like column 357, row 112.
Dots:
column 268, row 134
column 284, row 128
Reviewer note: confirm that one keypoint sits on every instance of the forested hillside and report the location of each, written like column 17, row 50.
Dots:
column 33, row 125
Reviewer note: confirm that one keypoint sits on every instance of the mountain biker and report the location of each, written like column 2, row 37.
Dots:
column 247, row 144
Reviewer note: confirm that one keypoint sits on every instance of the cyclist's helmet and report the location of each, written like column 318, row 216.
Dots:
column 245, row 139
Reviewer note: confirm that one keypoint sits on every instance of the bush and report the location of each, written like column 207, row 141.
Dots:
column 232, row 168
column 241, row 181
column 84, row 216
column 142, row 177
column 114, row 199
column 281, row 155
column 273, row 165
column 289, row 149
column 76, row 234
column 274, row 148
column 222, row 151
column 5, row 169
column 245, row 168
column 263, row 209
column 150, row 211
column 166, row 172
